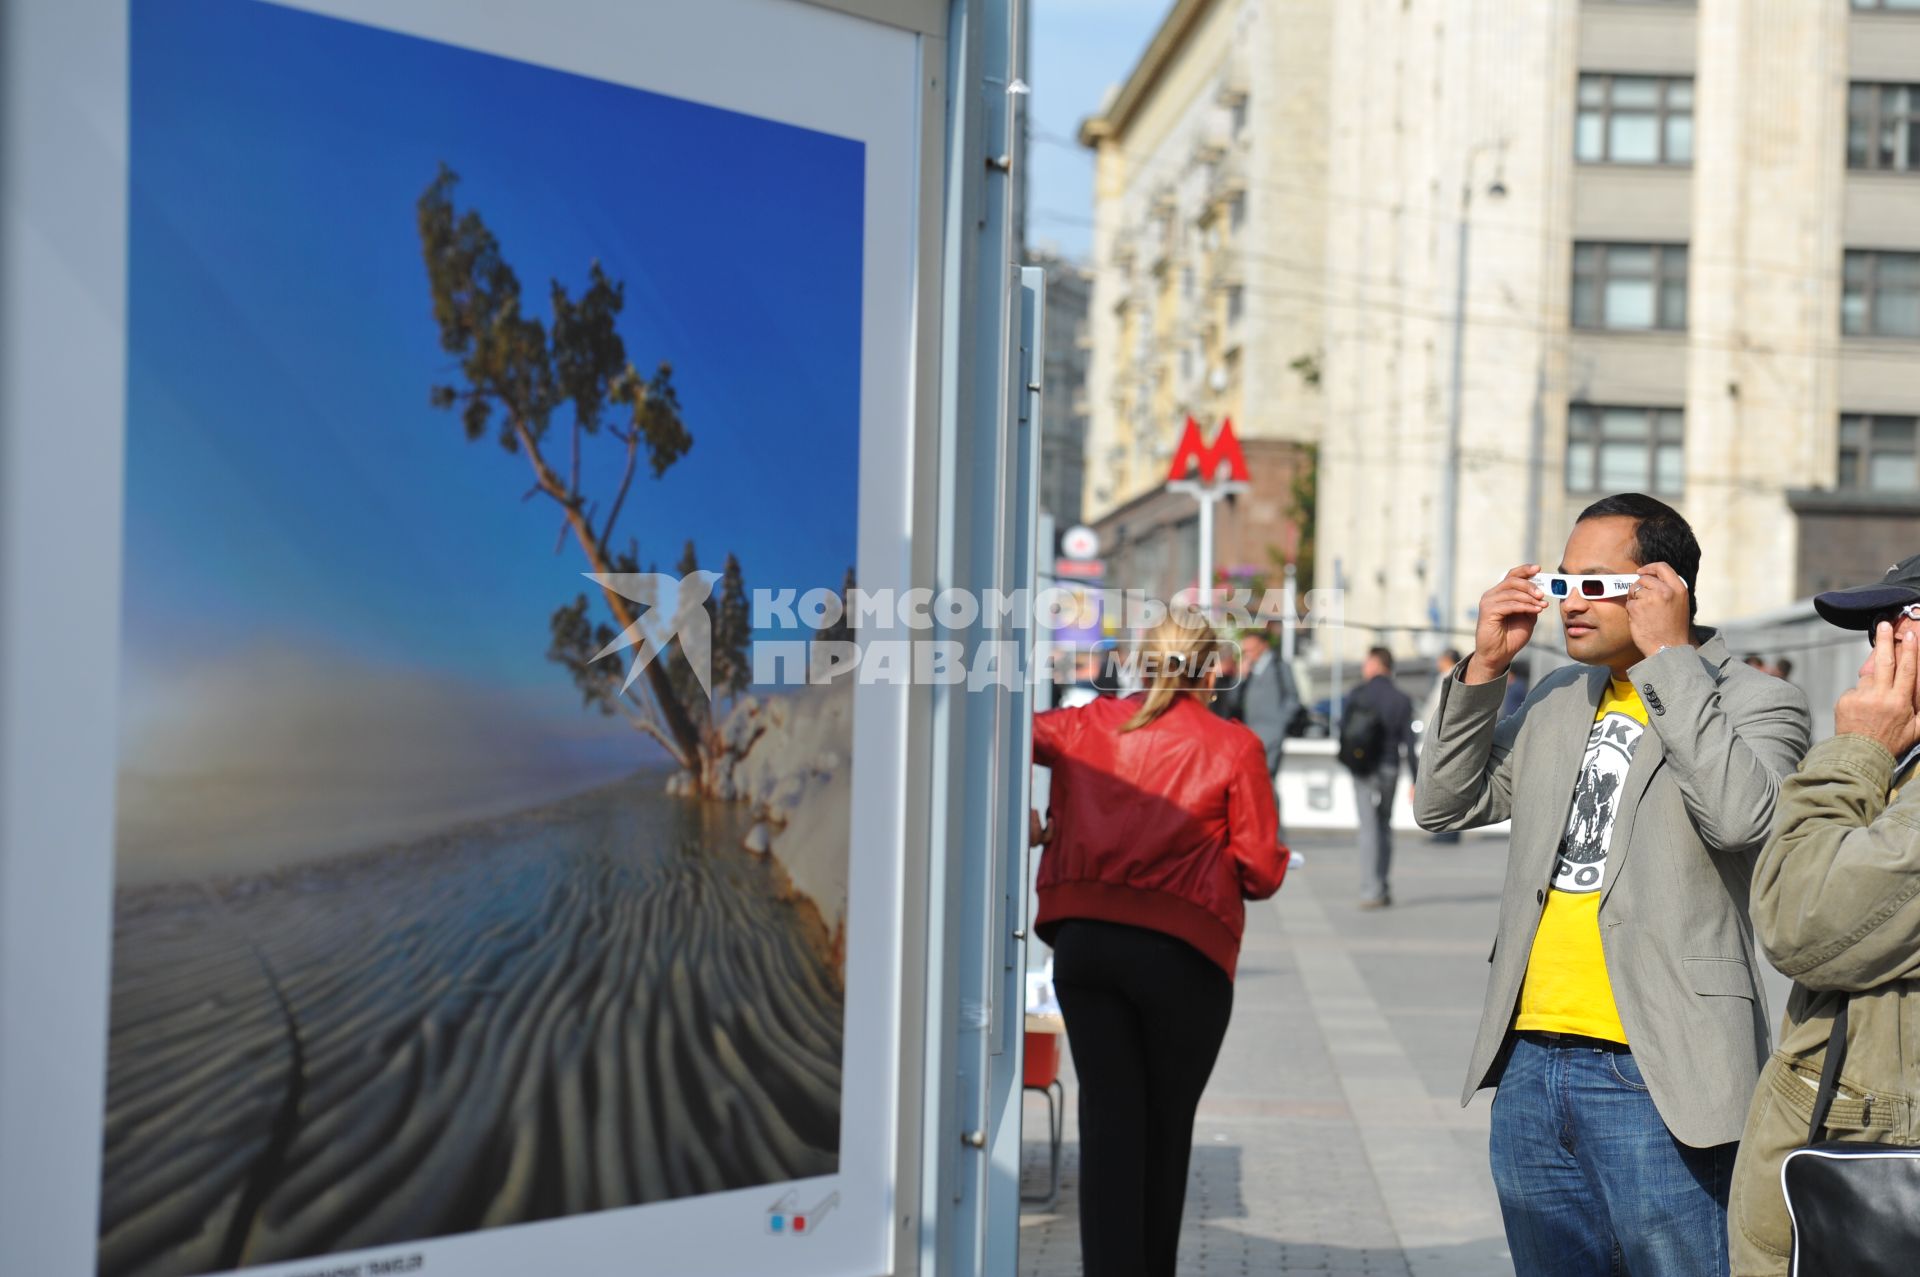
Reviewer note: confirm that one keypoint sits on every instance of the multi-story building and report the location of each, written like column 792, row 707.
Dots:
column 1206, row 197
column 1063, row 388
column 1573, row 247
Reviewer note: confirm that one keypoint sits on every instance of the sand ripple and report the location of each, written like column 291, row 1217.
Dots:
column 574, row 1009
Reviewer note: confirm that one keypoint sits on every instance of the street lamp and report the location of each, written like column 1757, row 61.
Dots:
column 1450, row 487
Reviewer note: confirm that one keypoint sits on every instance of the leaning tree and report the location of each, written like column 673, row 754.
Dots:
column 518, row 380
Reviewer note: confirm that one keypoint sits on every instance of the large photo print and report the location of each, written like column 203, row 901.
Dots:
column 464, row 876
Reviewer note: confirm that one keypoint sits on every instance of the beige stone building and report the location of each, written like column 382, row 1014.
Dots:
column 1549, row 249
column 1208, row 164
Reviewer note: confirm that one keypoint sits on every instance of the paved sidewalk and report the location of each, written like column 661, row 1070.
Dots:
column 1331, row 1140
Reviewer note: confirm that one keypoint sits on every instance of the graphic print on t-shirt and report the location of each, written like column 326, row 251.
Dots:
column 1582, row 866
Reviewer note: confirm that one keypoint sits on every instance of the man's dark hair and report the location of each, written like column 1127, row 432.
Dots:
column 1383, row 656
column 1451, row 656
column 1661, row 535
column 1783, row 669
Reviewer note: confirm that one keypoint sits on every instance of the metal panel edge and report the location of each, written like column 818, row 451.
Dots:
column 924, row 17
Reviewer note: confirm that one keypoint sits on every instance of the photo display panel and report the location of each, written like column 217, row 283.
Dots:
column 479, row 903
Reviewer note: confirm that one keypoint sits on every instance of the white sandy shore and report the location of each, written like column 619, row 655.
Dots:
column 791, row 757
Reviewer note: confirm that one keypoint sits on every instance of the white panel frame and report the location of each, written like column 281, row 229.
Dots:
column 63, row 202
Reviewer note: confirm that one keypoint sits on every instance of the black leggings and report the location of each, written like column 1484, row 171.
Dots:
column 1145, row 1015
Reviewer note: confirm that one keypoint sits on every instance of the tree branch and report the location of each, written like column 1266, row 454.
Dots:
column 576, row 454
column 544, row 477
column 626, row 481
column 646, row 723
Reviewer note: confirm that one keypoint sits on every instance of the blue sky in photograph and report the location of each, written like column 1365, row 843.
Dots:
column 1078, row 48
column 287, row 481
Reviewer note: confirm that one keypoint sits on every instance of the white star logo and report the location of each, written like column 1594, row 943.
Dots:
column 655, row 628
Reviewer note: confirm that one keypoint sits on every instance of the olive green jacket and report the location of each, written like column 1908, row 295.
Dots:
column 1836, row 906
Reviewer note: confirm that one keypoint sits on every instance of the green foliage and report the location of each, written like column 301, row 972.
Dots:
column 732, row 632
column 510, row 364
column 1303, row 498
column 575, row 639
column 686, row 684
column 842, row 629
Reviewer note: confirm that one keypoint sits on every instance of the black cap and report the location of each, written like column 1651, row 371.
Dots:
column 1856, row 608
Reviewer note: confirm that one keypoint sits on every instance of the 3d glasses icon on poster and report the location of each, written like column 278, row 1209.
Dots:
column 783, row 1218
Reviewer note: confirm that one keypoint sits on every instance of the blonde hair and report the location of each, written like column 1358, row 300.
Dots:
column 1182, row 649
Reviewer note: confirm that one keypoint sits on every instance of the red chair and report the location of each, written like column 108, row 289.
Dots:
column 1042, row 1073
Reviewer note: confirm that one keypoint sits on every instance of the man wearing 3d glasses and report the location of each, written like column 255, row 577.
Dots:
column 1624, row 1024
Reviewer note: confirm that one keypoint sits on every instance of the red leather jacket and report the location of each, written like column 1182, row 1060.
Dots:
column 1170, row 826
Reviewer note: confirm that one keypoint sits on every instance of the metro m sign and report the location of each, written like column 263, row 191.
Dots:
column 1193, row 451
column 1207, row 487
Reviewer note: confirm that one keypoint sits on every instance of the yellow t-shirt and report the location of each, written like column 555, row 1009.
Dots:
column 1566, row 989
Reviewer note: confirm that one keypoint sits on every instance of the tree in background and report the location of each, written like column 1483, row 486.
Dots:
column 519, row 380
column 842, row 629
column 730, row 623
column 1303, row 492
column 732, row 632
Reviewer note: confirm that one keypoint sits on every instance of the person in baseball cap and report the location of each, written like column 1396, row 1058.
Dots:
column 1861, row 606
column 1834, row 906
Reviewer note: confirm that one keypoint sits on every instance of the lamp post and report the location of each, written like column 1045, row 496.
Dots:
column 1450, row 486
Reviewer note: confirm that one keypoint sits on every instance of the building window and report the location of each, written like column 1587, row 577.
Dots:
column 1237, row 212
column 1634, row 119
column 1883, row 126
column 1632, row 286
column 1237, row 116
column 1880, row 295
column 1236, row 304
column 1887, row 4
column 1877, row 454
column 1625, row 450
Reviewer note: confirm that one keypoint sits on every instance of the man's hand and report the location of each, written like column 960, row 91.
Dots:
column 1038, row 835
column 1657, row 610
column 1508, row 613
column 1881, row 706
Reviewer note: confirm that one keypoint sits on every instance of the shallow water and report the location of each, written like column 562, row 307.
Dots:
column 597, row 1003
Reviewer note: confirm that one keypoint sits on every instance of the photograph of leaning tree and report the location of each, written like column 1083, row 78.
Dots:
column 428, row 918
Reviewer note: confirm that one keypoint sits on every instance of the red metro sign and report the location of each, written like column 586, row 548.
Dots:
column 1194, row 451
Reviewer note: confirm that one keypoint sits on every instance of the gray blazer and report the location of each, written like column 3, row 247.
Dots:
column 1267, row 703
column 1696, row 805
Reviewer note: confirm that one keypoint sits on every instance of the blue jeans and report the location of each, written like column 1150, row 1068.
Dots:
column 1590, row 1179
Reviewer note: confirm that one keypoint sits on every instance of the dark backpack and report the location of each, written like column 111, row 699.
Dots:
column 1362, row 735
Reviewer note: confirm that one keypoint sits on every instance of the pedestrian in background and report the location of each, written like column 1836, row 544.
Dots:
column 1266, row 699
column 1442, row 667
column 1161, row 824
column 1624, row 1024
column 1226, row 699
column 1519, row 683
column 1836, row 906
column 1376, row 732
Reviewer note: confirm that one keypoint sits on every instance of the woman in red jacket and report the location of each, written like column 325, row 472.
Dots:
column 1162, row 822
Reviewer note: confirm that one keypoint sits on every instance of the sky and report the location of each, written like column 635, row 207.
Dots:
column 1078, row 48
column 289, row 488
